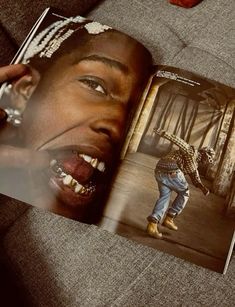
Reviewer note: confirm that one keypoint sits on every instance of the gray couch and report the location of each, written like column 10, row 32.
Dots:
column 48, row 260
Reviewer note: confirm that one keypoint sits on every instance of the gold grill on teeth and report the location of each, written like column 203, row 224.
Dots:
column 69, row 181
column 94, row 162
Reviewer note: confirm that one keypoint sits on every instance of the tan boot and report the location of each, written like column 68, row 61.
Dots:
column 169, row 223
column 153, row 231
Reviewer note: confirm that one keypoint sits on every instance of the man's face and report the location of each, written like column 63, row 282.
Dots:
column 207, row 158
column 78, row 114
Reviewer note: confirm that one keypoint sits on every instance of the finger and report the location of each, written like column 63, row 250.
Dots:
column 23, row 158
column 12, row 71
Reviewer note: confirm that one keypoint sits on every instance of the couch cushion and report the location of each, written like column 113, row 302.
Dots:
column 200, row 39
column 7, row 47
column 10, row 210
column 19, row 16
column 60, row 262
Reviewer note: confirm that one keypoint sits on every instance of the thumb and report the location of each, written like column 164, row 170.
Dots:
column 17, row 157
column 10, row 72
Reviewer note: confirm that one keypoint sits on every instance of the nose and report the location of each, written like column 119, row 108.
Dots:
column 112, row 123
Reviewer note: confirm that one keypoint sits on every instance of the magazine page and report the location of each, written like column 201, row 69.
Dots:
column 91, row 96
column 174, row 189
column 63, row 122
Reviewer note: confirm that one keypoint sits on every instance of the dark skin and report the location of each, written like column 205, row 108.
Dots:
column 85, row 109
column 105, row 93
column 11, row 155
column 10, row 72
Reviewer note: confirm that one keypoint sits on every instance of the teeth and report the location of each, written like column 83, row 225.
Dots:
column 63, row 174
column 53, row 163
column 67, row 180
column 59, row 170
column 87, row 158
column 101, row 167
column 78, row 188
column 56, row 168
column 94, row 163
column 82, row 190
column 74, row 182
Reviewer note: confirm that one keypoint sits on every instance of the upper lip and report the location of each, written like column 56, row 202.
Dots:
column 90, row 150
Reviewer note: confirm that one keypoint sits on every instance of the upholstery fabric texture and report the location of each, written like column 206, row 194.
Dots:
column 8, row 47
column 59, row 262
column 10, row 210
column 200, row 40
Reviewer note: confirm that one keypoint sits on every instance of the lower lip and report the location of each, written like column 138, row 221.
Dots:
column 68, row 196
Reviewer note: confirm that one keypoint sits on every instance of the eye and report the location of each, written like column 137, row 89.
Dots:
column 94, row 85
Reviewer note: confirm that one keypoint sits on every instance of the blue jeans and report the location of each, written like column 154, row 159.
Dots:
column 167, row 183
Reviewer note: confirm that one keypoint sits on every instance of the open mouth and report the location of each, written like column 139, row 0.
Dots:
column 76, row 177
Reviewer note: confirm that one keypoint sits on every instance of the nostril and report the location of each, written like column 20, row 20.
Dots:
column 111, row 128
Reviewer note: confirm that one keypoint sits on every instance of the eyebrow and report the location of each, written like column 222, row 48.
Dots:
column 109, row 62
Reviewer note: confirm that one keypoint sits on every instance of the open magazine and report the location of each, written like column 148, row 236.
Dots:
column 95, row 132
